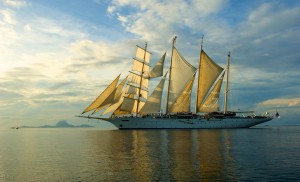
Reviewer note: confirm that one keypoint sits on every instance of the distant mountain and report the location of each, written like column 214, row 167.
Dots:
column 61, row 124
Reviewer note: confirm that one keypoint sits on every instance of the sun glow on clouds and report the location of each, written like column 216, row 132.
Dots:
column 281, row 102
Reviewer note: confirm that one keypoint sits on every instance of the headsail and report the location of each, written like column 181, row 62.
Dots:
column 114, row 98
column 114, row 108
column 153, row 104
column 209, row 71
column 181, row 73
column 105, row 96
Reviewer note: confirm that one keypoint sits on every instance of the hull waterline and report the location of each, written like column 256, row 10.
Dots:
column 194, row 123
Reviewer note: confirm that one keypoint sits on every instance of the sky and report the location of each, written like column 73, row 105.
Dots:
column 56, row 56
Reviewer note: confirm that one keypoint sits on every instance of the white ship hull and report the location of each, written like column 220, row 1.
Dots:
column 193, row 123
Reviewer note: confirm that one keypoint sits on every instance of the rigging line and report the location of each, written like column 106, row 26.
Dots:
column 168, row 47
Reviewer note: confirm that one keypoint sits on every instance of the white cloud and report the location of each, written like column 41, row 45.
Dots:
column 16, row 3
column 271, row 18
column 150, row 17
column 8, row 17
column 282, row 102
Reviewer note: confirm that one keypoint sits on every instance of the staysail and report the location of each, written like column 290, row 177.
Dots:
column 209, row 72
column 153, row 104
column 114, row 98
column 181, row 72
column 211, row 102
column 106, row 96
column 183, row 102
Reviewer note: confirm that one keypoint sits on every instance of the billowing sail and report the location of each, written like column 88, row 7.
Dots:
column 211, row 103
column 184, row 100
column 114, row 107
column 114, row 97
column 153, row 104
column 181, row 73
column 119, row 89
column 105, row 96
column 157, row 70
column 137, row 92
column 209, row 71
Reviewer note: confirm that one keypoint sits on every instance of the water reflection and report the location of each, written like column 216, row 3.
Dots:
column 163, row 155
column 150, row 155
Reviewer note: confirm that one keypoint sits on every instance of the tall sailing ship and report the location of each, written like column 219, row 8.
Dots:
column 127, row 105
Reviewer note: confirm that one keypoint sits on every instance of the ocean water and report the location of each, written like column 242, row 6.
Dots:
column 255, row 154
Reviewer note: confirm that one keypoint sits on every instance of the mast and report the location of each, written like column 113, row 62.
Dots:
column 227, row 78
column 140, row 86
column 173, row 43
column 196, row 103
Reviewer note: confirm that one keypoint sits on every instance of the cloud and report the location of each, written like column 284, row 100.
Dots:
column 26, row 86
column 288, row 109
column 8, row 17
column 15, row 3
column 147, row 18
column 290, row 102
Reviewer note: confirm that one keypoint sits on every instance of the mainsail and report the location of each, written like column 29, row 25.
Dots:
column 181, row 72
column 153, row 104
column 209, row 72
column 106, row 97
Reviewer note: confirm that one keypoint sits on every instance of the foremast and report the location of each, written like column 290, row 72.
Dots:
column 140, row 85
column 136, row 92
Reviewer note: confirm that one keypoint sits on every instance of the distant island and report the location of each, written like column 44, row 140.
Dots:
column 60, row 124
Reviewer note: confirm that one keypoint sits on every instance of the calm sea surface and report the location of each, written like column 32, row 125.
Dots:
column 256, row 154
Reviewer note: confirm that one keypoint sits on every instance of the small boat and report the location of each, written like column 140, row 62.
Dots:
column 16, row 127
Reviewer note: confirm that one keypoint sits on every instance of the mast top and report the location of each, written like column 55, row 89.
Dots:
column 174, row 40
column 202, row 41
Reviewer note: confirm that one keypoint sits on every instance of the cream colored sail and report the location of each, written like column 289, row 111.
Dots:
column 211, row 103
column 181, row 73
column 114, row 107
column 114, row 97
column 209, row 71
column 153, row 104
column 105, row 95
column 184, row 100
column 157, row 70
column 137, row 92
